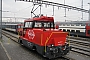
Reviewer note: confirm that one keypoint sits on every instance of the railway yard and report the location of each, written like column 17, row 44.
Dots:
column 14, row 51
column 40, row 39
column 44, row 30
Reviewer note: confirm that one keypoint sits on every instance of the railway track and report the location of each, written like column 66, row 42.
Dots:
column 84, row 43
column 14, row 37
column 79, row 38
column 81, row 46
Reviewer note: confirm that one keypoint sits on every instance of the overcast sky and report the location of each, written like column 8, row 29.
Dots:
column 22, row 9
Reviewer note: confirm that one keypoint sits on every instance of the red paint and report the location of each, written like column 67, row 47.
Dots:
column 87, row 28
column 44, row 18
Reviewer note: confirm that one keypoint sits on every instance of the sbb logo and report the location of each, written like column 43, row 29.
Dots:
column 31, row 34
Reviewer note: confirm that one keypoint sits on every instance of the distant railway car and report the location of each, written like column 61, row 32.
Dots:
column 39, row 34
column 77, row 28
column 13, row 27
column 20, row 29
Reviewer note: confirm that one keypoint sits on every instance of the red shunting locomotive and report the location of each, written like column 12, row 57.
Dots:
column 39, row 34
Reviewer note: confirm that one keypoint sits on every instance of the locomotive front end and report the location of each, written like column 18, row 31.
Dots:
column 56, row 45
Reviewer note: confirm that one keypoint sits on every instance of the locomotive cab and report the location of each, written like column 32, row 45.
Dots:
column 39, row 34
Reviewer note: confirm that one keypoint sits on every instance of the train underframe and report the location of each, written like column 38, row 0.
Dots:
column 51, row 51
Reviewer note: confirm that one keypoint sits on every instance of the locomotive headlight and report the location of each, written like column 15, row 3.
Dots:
column 52, row 45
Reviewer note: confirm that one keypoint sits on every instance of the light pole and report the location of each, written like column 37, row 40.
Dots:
column 65, row 9
column 65, row 12
column 82, row 8
column 89, row 11
column 0, row 18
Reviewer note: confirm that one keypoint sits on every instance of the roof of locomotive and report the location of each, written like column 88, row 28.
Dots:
column 42, row 18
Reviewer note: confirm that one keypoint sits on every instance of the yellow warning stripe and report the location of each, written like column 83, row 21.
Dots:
column 18, row 34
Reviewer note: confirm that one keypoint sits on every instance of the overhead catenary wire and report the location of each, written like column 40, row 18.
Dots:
column 22, row 10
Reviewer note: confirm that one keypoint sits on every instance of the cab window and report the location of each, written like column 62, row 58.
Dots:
column 46, row 24
column 40, row 24
column 28, row 24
